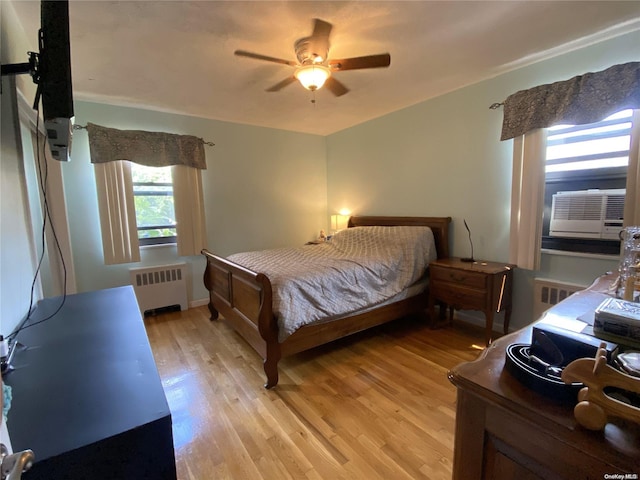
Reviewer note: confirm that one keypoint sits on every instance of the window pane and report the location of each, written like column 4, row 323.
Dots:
column 616, row 116
column 598, row 145
column 589, row 164
column 589, row 147
column 157, row 233
column 154, row 210
column 609, row 129
column 153, row 194
column 142, row 174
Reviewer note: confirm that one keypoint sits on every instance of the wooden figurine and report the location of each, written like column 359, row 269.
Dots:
column 593, row 403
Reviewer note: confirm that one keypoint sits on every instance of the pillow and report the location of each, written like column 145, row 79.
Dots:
column 417, row 241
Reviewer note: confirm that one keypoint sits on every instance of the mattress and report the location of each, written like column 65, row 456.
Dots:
column 358, row 269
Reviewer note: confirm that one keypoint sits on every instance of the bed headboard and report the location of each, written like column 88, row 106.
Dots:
column 439, row 226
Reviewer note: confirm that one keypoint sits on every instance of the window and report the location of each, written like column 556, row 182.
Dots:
column 584, row 158
column 592, row 147
column 154, row 204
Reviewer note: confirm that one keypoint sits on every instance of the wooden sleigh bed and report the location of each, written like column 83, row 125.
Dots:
column 244, row 299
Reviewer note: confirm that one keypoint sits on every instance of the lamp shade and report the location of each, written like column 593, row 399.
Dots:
column 339, row 222
column 312, row 77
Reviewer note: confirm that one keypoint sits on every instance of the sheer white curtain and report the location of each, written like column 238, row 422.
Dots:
column 527, row 199
column 117, row 212
column 188, row 202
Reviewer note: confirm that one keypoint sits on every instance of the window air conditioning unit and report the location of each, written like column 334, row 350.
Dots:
column 587, row 214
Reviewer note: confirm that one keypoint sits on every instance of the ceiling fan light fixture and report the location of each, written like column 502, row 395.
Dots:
column 312, row 77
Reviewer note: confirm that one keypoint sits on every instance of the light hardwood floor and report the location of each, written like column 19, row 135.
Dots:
column 377, row 405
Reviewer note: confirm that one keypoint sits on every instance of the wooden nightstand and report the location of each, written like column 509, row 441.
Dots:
column 484, row 286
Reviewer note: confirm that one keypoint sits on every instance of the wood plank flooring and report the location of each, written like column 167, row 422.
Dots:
column 376, row 405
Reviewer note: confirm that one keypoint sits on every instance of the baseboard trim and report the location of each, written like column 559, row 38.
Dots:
column 198, row 303
column 478, row 319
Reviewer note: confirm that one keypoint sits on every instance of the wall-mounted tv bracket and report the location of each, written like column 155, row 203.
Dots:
column 32, row 67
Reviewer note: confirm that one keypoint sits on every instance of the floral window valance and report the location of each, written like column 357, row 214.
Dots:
column 583, row 99
column 153, row 149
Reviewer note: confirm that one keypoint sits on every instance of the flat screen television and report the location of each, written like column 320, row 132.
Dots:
column 54, row 82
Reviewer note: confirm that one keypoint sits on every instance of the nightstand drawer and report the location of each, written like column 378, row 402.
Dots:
column 468, row 279
column 460, row 297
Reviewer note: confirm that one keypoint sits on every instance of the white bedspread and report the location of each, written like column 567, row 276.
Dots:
column 359, row 267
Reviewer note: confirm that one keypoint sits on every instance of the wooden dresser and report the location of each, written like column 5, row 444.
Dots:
column 504, row 430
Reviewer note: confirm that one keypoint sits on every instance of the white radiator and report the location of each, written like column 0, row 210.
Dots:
column 549, row 292
column 159, row 287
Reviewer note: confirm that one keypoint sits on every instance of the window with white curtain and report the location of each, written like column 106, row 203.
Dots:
column 149, row 187
column 581, row 100
column 116, row 205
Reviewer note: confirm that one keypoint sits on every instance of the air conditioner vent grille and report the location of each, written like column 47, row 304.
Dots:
column 615, row 207
column 578, row 208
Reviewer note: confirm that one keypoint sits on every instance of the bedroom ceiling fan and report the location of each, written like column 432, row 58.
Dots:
column 313, row 68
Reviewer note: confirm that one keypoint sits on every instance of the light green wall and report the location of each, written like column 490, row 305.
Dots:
column 17, row 250
column 444, row 157
column 15, row 43
column 266, row 188
column 263, row 188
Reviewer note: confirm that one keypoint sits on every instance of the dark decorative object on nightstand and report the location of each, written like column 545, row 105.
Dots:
column 468, row 259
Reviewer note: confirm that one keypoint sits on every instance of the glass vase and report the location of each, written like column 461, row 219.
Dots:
column 629, row 270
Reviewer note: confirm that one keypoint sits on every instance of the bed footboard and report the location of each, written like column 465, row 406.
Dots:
column 243, row 297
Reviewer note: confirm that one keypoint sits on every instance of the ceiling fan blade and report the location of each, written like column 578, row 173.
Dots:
column 257, row 56
column 280, row 85
column 335, row 87
column 321, row 29
column 370, row 61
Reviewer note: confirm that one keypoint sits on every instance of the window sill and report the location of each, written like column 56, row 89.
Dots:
column 565, row 253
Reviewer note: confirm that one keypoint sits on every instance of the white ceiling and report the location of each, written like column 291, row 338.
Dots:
column 177, row 56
